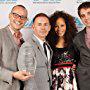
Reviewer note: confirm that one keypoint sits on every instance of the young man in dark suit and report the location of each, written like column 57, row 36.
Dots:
column 82, row 41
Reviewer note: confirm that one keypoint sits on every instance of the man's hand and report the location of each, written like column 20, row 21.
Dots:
column 22, row 75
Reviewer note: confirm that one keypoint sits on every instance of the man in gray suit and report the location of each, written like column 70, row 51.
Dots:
column 32, row 57
column 9, row 74
column 82, row 41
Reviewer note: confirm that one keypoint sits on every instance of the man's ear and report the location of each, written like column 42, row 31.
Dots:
column 33, row 26
column 50, row 27
column 9, row 15
column 26, row 20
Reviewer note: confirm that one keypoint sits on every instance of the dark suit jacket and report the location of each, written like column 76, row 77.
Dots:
column 8, row 57
column 83, row 69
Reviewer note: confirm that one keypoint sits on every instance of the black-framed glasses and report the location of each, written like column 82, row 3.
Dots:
column 15, row 15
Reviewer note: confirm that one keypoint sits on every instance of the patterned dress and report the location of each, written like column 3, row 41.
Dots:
column 63, row 76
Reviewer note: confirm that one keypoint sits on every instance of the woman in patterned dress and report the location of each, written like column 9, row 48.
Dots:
column 65, row 54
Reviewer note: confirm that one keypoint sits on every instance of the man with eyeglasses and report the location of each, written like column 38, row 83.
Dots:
column 9, row 47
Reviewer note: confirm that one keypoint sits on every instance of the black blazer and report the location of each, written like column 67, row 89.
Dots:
column 83, row 69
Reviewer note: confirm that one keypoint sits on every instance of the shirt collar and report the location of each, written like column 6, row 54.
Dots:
column 12, row 31
column 40, row 41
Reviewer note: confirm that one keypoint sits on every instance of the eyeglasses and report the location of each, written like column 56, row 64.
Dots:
column 15, row 15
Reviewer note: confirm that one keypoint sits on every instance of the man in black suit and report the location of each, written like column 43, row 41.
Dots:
column 82, row 41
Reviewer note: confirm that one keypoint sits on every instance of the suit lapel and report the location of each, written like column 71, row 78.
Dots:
column 39, row 46
column 83, row 39
column 9, row 34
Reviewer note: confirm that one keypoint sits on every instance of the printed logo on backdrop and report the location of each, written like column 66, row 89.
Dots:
column 7, row 1
column 79, row 24
column 46, row 1
column 80, row 1
column 28, row 23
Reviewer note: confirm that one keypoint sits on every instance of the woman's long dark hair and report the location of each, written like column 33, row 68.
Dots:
column 71, row 29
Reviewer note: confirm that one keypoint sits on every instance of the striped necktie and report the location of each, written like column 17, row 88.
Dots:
column 18, row 38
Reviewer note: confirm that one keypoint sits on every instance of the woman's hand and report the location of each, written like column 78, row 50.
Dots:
column 74, row 67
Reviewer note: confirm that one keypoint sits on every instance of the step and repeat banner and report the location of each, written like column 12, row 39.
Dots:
column 37, row 6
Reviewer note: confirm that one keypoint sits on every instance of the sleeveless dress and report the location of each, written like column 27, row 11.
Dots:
column 63, row 76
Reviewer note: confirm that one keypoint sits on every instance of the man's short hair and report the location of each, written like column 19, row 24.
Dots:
column 84, row 5
column 40, row 15
column 18, row 6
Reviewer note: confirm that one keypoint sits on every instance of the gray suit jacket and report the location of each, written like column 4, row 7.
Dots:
column 83, row 69
column 8, row 57
column 31, row 54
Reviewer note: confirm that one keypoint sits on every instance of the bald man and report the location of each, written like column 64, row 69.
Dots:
column 9, row 47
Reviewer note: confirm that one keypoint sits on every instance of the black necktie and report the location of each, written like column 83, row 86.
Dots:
column 45, row 50
column 47, row 64
column 22, row 41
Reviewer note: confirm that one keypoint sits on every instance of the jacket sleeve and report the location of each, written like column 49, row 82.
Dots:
column 76, row 49
column 5, row 74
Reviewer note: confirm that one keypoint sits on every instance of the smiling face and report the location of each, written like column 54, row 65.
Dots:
column 17, row 17
column 60, row 27
column 85, row 16
column 41, row 27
